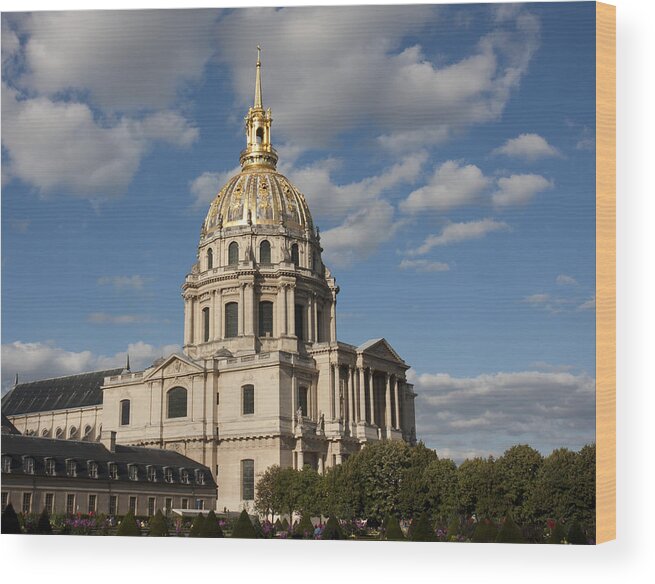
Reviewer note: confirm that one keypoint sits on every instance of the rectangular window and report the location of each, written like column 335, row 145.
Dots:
column 205, row 324
column 168, row 475
column 302, row 400
column 6, row 464
column 231, row 320
column 49, row 503
column 185, row 503
column 92, row 503
column 169, row 504
column 5, row 499
column 93, row 470
column 125, row 412
column 50, row 467
column 218, row 399
column 113, row 471
column 151, row 506
column 200, row 504
column 248, row 479
column 133, row 472
column 265, row 319
column 133, row 505
column 70, row 504
column 299, row 313
column 248, row 405
column 27, row 503
column 71, row 468
column 113, row 504
column 28, row 464
column 152, row 474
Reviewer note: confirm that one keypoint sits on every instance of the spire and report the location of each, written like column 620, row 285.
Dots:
column 258, row 81
column 16, row 380
column 127, row 363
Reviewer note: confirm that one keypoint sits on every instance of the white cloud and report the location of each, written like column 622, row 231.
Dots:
column 527, row 146
column 360, row 234
column 344, row 67
column 458, row 232
column 545, row 409
column 589, row 304
column 125, row 60
column 206, row 186
column 59, row 145
column 34, row 361
column 423, row 266
column 564, row 280
column 104, row 318
column 135, row 282
column 519, row 189
column 452, row 185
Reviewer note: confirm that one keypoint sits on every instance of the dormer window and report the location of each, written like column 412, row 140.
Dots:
column 71, row 468
column 50, row 468
column 200, row 477
column 133, row 472
column 184, row 476
column 152, row 474
column 92, row 467
column 113, row 471
column 28, row 465
column 168, row 475
column 6, row 464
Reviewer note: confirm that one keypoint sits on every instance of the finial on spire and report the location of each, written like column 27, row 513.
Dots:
column 127, row 363
column 258, row 81
column 16, row 380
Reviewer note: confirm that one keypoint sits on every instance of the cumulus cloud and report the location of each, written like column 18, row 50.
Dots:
column 60, row 145
column 589, row 304
column 564, row 280
column 458, row 232
column 519, row 189
column 206, row 186
column 360, row 234
column 451, row 185
column 135, row 282
column 123, row 60
column 34, row 361
column 365, row 77
column 493, row 411
column 105, row 318
column 423, row 266
column 528, row 147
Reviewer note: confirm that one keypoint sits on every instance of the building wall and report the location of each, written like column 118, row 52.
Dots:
column 87, row 423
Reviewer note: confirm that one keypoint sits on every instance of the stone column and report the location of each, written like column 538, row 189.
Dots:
column 282, row 311
column 218, row 314
column 188, row 321
column 362, row 398
column 333, row 411
column 333, row 318
column 317, row 336
column 310, row 318
column 291, row 309
column 387, row 397
column 397, row 400
column 321, row 466
column 301, row 459
column 212, row 316
column 371, row 404
column 197, row 321
column 249, row 309
column 242, row 311
column 353, row 395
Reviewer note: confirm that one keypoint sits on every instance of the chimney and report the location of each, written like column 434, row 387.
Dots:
column 108, row 440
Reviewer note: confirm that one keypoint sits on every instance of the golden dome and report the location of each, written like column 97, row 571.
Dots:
column 258, row 196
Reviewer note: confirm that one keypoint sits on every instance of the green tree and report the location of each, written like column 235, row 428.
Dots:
column 210, row 526
column 576, row 535
column 243, row 528
column 304, row 528
column 422, row 530
column 285, row 492
column 517, row 471
column 128, row 526
column 10, row 523
column 332, row 529
column 265, row 499
column 43, row 526
column 196, row 526
column 307, row 492
column 584, row 489
column 509, row 532
column 485, row 531
column 158, row 525
column 558, row 533
column 479, row 488
column 392, row 531
column 339, row 492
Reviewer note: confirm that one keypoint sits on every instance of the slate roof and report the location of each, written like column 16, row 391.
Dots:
column 7, row 426
column 59, row 393
column 19, row 446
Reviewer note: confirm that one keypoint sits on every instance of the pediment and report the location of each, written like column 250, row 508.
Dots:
column 381, row 349
column 173, row 366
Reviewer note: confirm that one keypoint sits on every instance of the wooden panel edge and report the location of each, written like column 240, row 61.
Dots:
column 605, row 272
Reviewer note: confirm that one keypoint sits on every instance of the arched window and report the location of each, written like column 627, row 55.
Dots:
column 295, row 256
column 87, row 432
column 231, row 320
column 205, row 324
column 248, row 479
column 176, row 398
column 72, row 432
column 265, row 252
column 210, row 259
column 302, row 400
column 233, row 254
column 59, row 433
column 260, row 135
column 265, row 319
column 248, row 400
column 125, row 412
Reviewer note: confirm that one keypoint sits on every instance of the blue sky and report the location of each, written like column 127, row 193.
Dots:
column 447, row 153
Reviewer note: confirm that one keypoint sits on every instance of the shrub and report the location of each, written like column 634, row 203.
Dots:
column 210, row 526
column 305, row 528
column 243, row 528
column 10, row 523
column 43, row 526
column 509, row 532
column 257, row 526
column 285, row 524
column 557, row 534
column 392, row 531
column 453, row 528
column 485, row 531
column 128, row 526
column 332, row 529
column 158, row 525
column 423, row 529
column 576, row 536
column 196, row 526
column 278, row 526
